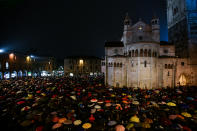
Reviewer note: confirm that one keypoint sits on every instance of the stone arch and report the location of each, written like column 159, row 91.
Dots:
column 133, row 53
column 117, row 64
column 149, row 53
column 141, row 52
column 121, row 64
column 114, row 64
column 169, row 66
column 183, row 80
column 145, row 53
column 136, row 53
column 129, row 53
column 117, row 84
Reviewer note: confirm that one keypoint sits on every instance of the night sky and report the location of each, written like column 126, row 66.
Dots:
column 68, row 27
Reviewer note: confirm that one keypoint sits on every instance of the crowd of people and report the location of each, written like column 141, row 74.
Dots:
column 85, row 103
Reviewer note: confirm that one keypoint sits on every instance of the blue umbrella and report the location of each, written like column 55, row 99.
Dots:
column 190, row 98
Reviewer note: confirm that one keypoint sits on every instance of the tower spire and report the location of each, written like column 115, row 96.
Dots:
column 127, row 20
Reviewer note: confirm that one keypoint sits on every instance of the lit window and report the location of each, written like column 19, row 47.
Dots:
column 6, row 65
column 80, row 62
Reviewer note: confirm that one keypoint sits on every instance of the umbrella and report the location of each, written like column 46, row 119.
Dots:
column 181, row 117
column 172, row 117
column 20, row 102
column 134, row 119
column 135, row 103
column 97, row 107
column 120, row 128
column 93, row 111
column 190, row 98
column 100, row 102
column 129, row 126
column 62, row 120
column 107, row 101
column 148, row 120
column 39, row 128
column 87, row 125
column 26, row 123
column 108, row 104
column 73, row 97
column 25, row 108
column 171, row 104
column 93, row 100
column 57, row 125
column 125, row 102
column 111, row 123
column 53, row 113
column 186, row 114
column 77, row 122
column 67, row 122
column 145, row 125
column 55, row 119
column 112, row 95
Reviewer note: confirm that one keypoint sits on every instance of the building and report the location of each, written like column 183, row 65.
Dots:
column 14, row 65
column 140, row 59
column 182, row 27
column 75, row 65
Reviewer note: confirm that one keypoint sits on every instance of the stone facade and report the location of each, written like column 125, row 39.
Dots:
column 140, row 59
column 82, row 65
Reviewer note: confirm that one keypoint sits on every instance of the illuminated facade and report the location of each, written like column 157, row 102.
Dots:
column 75, row 65
column 140, row 59
column 16, row 65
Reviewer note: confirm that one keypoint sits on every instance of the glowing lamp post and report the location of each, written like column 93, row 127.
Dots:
column 11, row 56
column 81, row 64
column 28, row 58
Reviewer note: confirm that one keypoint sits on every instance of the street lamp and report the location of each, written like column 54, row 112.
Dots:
column 11, row 56
column 1, row 50
column 28, row 59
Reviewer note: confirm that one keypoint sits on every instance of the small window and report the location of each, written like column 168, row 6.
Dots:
column 166, row 66
column 145, row 63
column 182, row 63
column 168, row 73
column 165, row 51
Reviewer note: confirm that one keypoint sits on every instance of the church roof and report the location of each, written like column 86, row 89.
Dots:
column 114, row 44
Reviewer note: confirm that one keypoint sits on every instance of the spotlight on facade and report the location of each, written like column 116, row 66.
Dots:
column 32, row 56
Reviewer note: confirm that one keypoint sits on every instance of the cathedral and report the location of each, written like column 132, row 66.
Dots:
column 140, row 59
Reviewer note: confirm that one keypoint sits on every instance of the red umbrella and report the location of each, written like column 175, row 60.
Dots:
column 107, row 101
column 20, row 102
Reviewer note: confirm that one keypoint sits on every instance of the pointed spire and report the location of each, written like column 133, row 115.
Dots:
column 127, row 20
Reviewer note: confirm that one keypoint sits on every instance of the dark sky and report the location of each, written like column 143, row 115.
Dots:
column 69, row 27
